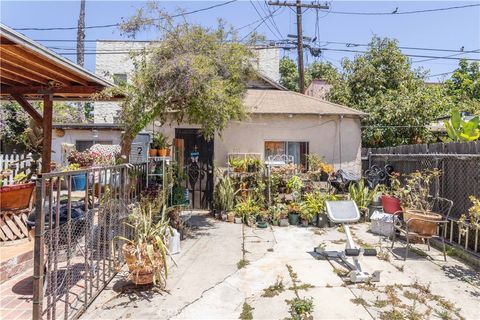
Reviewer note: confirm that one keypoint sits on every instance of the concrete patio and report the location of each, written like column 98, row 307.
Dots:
column 207, row 284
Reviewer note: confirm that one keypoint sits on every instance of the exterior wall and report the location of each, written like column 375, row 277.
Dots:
column 106, row 65
column 318, row 88
column 337, row 139
column 73, row 135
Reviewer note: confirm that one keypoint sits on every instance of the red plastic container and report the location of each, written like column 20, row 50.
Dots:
column 390, row 204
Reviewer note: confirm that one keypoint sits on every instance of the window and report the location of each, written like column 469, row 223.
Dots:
column 297, row 149
column 82, row 145
column 119, row 78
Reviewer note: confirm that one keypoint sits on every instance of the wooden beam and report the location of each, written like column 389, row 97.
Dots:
column 47, row 133
column 30, row 58
column 6, row 66
column 9, row 82
column 42, row 72
column 51, row 90
column 11, row 76
column 28, row 108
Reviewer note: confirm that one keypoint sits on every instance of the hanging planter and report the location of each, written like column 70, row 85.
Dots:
column 16, row 196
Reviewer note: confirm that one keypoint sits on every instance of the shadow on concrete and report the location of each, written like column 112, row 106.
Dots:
column 200, row 225
column 462, row 273
column 24, row 287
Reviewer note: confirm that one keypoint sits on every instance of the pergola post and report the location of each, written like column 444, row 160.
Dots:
column 47, row 132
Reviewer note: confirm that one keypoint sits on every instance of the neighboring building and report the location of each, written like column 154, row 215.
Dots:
column 438, row 125
column 82, row 136
column 318, row 88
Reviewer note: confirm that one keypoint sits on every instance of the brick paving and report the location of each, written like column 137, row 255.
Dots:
column 16, row 297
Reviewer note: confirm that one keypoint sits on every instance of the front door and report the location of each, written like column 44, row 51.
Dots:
column 198, row 165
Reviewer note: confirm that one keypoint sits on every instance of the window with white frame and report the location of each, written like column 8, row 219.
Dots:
column 297, row 149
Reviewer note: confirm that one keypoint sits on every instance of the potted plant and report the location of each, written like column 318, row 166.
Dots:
column 238, row 218
column 161, row 143
column 253, row 164
column 472, row 219
column 237, row 164
column 362, row 196
column 248, row 210
column 390, row 198
column 262, row 219
column 84, row 160
column 293, row 213
column 223, row 197
column 416, row 202
column 295, row 185
column 279, row 213
column 145, row 253
column 18, row 195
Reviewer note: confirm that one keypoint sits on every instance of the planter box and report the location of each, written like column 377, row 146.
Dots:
column 16, row 196
column 283, row 223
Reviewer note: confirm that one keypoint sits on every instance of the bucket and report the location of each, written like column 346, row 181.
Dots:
column 174, row 243
column 79, row 182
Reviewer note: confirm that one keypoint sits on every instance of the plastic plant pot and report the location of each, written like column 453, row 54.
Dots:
column 79, row 182
column 293, row 218
column 390, row 204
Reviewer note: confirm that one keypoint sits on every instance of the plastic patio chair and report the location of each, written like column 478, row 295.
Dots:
column 441, row 206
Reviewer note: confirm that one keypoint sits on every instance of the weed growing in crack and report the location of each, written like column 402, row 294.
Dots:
column 393, row 314
column 300, row 308
column 340, row 272
column 246, row 312
column 360, row 301
column 412, row 313
column 274, row 290
column 242, row 263
column 380, row 303
column 443, row 314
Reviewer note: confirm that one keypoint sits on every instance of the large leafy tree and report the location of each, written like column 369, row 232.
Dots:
column 317, row 70
column 464, row 87
column 192, row 74
column 382, row 83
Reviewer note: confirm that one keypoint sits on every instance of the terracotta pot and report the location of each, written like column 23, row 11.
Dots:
column 230, row 216
column 152, row 152
column 162, row 152
column 424, row 228
column 390, row 204
column 168, row 152
column 141, row 273
column 16, row 196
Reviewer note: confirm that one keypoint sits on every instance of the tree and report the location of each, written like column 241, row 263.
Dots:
column 316, row 70
column 382, row 83
column 192, row 74
column 464, row 86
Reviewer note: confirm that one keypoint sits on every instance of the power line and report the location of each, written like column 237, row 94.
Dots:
column 396, row 12
column 261, row 22
column 261, row 17
column 118, row 24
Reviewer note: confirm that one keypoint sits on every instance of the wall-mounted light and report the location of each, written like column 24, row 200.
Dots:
column 290, row 115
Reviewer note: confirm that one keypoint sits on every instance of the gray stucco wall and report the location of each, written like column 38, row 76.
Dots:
column 335, row 138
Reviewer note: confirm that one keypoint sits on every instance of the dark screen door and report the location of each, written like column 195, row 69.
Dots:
column 198, row 164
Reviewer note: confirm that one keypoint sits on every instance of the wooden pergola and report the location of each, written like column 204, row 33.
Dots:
column 29, row 72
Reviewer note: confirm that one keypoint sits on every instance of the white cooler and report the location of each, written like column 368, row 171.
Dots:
column 382, row 223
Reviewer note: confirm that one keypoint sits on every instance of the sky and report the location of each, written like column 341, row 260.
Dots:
column 449, row 29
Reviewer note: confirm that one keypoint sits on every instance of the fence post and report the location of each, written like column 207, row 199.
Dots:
column 38, row 262
column 369, row 157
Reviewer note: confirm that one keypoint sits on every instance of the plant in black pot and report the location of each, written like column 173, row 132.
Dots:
column 293, row 213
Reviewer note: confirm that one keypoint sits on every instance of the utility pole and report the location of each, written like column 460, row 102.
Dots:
column 81, row 54
column 81, row 34
column 298, row 4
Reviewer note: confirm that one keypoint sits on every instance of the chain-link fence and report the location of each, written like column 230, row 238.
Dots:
column 78, row 218
column 460, row 179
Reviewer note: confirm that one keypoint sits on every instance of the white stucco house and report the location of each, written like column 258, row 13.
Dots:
column 280, row 121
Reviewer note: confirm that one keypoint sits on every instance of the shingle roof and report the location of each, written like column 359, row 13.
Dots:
column 271, row 101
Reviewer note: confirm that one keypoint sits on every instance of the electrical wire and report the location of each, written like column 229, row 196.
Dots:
column 396, row 12
column 118, row 24
column 261, row 22
column 261, row 17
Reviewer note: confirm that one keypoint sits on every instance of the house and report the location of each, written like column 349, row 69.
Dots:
column 280, row 121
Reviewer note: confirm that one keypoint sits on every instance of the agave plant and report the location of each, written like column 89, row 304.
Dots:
column 146, row 252
column 361, row 194
column 224, row 195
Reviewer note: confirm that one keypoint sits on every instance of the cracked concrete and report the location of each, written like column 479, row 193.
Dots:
column 207, row 284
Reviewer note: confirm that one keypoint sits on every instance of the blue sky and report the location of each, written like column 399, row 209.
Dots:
column 450, row 29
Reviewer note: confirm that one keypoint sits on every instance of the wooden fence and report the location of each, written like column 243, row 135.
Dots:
column 16, row 163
